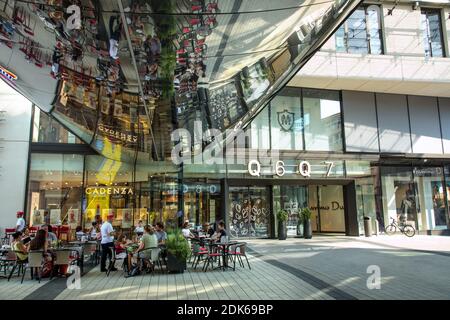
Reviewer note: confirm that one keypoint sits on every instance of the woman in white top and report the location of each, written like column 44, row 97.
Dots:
column 186, row 231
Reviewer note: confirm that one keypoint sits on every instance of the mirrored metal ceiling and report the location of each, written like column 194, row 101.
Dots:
column 123, row 74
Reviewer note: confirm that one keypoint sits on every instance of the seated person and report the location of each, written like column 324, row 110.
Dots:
column 161, row 235
column 221, row 232
column 26, row 238
column 139, row 229
column 148, row 240
column 94, row 232
column 51, row 237
column 186, row 231
column 208, row 230
column 19, row 248
column 121, row 246
column 79, row 233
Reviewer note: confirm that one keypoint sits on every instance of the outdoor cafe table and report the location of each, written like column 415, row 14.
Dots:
column 225, row 249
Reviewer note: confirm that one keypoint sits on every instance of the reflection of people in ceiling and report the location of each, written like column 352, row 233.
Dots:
column 115, row 31
column 56, row 57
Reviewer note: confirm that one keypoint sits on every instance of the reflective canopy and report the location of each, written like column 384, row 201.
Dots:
column 123, row 74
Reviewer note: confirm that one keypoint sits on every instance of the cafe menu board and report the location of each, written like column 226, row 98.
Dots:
column 225, row 107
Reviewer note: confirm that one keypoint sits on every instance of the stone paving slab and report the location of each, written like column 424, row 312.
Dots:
column 264, row 281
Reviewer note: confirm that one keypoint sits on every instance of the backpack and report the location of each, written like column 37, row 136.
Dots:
column 135, row 271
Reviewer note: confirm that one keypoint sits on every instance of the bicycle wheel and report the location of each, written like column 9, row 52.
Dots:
column 409, row 231
column 391, row 229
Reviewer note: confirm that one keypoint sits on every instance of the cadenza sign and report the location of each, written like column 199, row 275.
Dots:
column 304, row 168
column 102, row 191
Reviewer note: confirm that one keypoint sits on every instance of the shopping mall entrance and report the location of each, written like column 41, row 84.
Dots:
column 252, row 209
column 325, row 201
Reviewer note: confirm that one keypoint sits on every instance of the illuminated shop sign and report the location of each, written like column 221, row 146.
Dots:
column 101, row 191
column 6, row 74
column 118, row 135
column 304, row 168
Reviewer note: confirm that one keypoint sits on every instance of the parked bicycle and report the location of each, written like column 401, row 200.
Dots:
column 407, row 229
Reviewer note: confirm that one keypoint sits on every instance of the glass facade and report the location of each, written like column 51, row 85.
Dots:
column 304, row 129
column 300, row 119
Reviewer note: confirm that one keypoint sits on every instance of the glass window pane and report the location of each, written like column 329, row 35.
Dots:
column 432, row 33
column 48, row 130
column 322, row 120
column 435, row 34
column 399, row 195
column 357, row 35
column 430, row 192
column 340, row 40
column 286, row 121
column 374, row 30
column 260, row 131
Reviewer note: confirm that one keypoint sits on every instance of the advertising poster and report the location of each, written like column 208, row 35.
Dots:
column 117, row 108
column 89, row 217
column 105, row 213
column 405, row 201
column 73, row 218
column 105, row 105
column 127, row 218
column 37, row 217
column 55, row 216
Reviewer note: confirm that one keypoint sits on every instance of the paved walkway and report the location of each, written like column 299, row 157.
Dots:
column 326, row 267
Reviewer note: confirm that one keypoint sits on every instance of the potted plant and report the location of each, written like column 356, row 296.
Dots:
column 282, row 217
column 306, row 217
column 300, row 226
column 178, row 251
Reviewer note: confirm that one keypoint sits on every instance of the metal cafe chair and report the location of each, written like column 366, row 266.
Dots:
column 155, row 257
column 63, row 257
column 11, row 259
column 114, row 259
column 35, row 261
column 237, row 252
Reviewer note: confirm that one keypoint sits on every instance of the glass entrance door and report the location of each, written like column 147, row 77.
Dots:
column 327, row 206
column 249, row 212
column 291, row 199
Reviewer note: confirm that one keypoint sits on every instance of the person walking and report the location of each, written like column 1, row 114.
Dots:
column 107, row 242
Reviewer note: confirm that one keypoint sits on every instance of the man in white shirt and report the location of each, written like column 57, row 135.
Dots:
column 107, row 242
column 20, row 224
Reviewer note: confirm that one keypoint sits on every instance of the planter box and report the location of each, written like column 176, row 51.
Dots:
column 174, row 265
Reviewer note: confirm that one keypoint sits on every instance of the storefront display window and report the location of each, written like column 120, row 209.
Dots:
column 399, row 195
column 249, row 212
column 432, row 207
column 55, row 189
